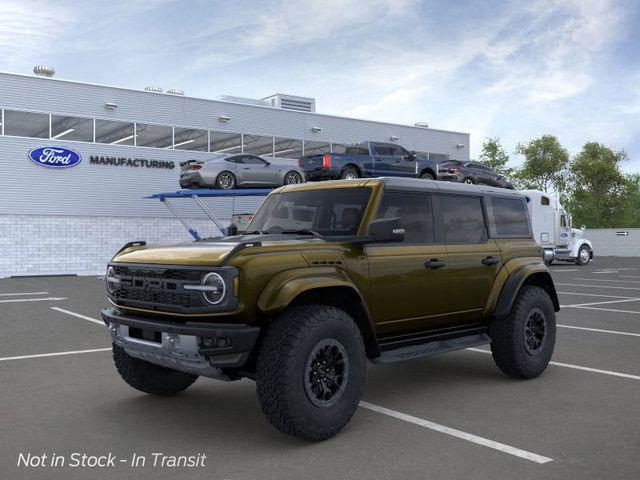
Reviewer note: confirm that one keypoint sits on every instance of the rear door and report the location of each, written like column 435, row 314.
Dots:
column 473, row 258
column 409, row 285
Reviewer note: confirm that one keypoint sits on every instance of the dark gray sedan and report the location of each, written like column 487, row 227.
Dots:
column 240, row 170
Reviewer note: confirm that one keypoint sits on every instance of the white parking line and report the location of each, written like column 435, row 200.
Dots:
column 48, row 299
column 614, row 332
column 577, row 367
column 610, row 310
column 629, row 276
column 607, row 280
column 27, row 293
column 597, row 286
column 594, row 303
column 485, row 442
column 89, row 319
column 56, row 354
column 591, row 294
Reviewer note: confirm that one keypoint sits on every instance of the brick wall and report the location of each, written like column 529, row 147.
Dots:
column 53, row 245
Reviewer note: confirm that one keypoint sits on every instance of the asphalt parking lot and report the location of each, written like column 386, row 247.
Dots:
column 453, row 416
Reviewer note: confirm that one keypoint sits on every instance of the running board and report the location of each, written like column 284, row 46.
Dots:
column 429, row 349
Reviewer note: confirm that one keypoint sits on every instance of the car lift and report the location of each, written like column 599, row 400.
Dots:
column 197, row 195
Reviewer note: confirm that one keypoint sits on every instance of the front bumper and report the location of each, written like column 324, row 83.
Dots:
column 195, row 347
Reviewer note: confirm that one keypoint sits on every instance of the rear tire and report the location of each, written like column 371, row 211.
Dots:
column 584, row 255
column 349, row 173
column 310, row 371
column 225, row 180
column 292, row 178
column 469, row 181
column 523, row 342
column 150, row 378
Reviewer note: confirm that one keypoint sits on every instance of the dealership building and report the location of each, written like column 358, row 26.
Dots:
column 127, row 144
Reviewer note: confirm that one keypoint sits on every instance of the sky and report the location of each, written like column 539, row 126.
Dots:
column 509, row 69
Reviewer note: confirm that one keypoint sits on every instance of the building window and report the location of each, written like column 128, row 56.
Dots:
column 258, row 145
column 190, row 139
column 26, row 124
column 115, row 133
column 225, row 143
column 316, row 148
column 157, row 136
column 71, row 128
column 287, row 148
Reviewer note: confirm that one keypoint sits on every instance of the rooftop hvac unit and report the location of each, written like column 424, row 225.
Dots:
column 153, row 88
column 291, row 102
column 175, row 91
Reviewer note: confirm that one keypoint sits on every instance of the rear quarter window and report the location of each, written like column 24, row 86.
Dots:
column 510, row 217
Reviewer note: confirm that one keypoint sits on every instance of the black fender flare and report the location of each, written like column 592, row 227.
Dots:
column 527, row 275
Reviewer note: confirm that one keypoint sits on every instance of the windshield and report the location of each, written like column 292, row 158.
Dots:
column 326, row 212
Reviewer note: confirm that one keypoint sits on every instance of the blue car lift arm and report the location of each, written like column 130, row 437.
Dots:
column 197, row 195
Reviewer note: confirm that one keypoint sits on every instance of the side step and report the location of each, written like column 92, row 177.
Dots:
column 432, row 348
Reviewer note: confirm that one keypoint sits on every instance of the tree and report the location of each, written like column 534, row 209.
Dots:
column 600, row 194
column 495, row 157
column 545, row 164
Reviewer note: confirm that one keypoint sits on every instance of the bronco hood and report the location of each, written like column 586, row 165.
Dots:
column 197, row 253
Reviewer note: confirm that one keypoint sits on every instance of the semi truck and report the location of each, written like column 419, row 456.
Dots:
column 553, row 231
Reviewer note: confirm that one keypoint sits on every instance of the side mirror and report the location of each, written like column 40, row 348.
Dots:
column 410, row 156
column 386, row 230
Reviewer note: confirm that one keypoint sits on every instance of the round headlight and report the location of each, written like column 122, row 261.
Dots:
column 214, row 288
column 111, row 280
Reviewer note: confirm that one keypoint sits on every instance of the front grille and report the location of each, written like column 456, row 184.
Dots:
column 157, row 288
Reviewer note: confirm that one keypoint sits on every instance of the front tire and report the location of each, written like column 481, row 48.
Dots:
column 310, row 371
column 584, row 255
column 150, row 378
column 225, row 180
column 523, row 342
column 427, row 176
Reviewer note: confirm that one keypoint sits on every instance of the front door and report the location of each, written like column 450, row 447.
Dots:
column 473, row 258
column 409, row 286
column 256, row 171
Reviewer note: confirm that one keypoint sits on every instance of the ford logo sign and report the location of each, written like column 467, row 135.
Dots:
column 55, row 157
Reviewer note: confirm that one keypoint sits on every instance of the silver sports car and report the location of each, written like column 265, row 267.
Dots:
column 240, row 170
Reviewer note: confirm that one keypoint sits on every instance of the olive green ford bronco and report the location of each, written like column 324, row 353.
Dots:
column 329, row 275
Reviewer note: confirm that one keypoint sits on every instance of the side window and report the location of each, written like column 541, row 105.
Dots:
column 544, row 200
column 463, row 219
column 415, row 211
column 381, row 150
column 253, row 160
column 510, row 216
column 397, row 151
column 237, row 159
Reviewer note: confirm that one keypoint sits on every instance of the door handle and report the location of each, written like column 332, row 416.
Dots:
column 433, row 264
column 490, row 260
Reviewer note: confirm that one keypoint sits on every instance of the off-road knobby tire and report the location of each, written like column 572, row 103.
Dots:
column 150, row 378
column 281, row 371
column 508, row 338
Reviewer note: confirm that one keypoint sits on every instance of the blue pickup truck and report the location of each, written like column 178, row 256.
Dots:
column 368, row 159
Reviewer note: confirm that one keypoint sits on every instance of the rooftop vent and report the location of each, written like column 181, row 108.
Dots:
column 422, row 124
column 175, row 91
column 291, row 102
column 153, row 88
column 43, row 71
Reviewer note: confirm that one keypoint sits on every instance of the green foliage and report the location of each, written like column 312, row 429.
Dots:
column 599, row 193
column 495, row 157
column 545, row 164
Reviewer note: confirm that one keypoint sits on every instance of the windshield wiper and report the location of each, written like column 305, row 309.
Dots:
column 303, row 231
